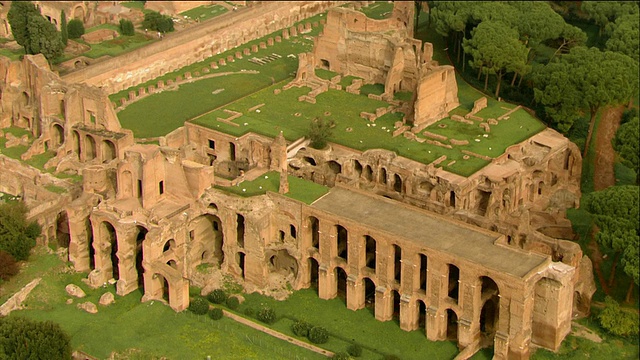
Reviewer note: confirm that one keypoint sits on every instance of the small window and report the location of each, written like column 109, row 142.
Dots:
column 212, row 144
column 281, row 234
column 292, row 230
column 161, row 187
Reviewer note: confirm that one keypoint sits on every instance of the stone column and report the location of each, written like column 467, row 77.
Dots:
column 128, row 274
column 102, row 257
column 408, row 313
column 470, row 305
column 327, row 284
column 521, row 313
column 80, row 232
column 384, row 304
column 355, row 293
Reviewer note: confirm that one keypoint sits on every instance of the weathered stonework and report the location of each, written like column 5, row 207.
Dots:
column 469, row 259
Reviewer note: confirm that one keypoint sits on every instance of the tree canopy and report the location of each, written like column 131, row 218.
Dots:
column 44, row 38
column 624, row 36
column 18, row 16
column 17, row 236
column 157, row 22
column 626, row 144
column 21, row 338
column 320, row 131
column 604, row 12
column 617, row 321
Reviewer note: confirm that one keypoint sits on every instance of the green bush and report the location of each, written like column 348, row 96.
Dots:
column 250, row 312
column 301, row 328
column 21, row 338
column 618, row 321
column 217, row 296
column 199, row 306
column 318, row 335
column 267, row 315
column 233, row 302
column 126, row 27
column 216, row 313
column 355, row 350
column 17, row 237
column 75, row 29
column 8, row 265
column 157, row 22
column 341, row 356
column 320, row 131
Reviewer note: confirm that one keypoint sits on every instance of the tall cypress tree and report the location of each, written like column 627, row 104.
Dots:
column 18, row 17
column 64, row 34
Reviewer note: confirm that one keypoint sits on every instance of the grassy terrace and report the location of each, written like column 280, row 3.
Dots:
column 299, row 189
column 204, row 101
column 204, row 12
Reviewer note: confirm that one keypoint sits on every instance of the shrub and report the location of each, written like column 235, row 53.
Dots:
column 267, row 315
column 216, row 313
column 8, row 266
column 301, row 328
column 341, row 356
column 355, row 350
column 217, row 296
column 250, row 312
column 75, row 29
column 233, row 302
column 17, row 237
column 320, row 131
column 126, row 27
column 318, row 335
column 21, row 338
column 199, row 306
column 157, row 22
column 617, row 321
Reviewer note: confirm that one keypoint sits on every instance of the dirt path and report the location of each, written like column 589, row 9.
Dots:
column 605, row 155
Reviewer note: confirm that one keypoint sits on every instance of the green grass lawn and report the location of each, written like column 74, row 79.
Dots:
column 378, row 10
column 153, row 328
column 299, row 189
column 204, row 12
column 117, row 46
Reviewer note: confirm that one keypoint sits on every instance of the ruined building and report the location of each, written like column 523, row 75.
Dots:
column 465, row 258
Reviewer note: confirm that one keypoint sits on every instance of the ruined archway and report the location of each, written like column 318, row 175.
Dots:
column 62, row 230
column 370, row 252
column 396, row 306
column 454, row 277
column 397, row 183
column 341, row 282
column 206, row 241
column 160, row 287
column 108, row 151
column 90, row 148
column 142, row 234
column 109, row 240
column 342, row 237
column 76, row 142
column 422, row 315
column 368, row 173
column 452, row 325
column 314, row 267
column 282, row 263
column 370, row 295
column 57, row 135
column 78, row 13
column 383, row 176
column 314, row 225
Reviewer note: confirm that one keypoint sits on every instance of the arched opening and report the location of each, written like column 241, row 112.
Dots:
column 423, row 272
column 108, row 151
column 162, row 287
column 489, row 318
column 292, row 231
column 452, row 325
column 452, row 199
column 313, row 273
column 370, row 295
column 240, row 230
column 240, row 262
column 57, row 135
column 314, row 224
column 62, row 230
column 90, row 148
column 368, row 173
column 78, row 13
column 454, row 277
column 422, row 315
column 206, row 239
column 110, row 239
column 383, row 176
column 169, row 245
column 342, row 236
column 309, row 160
column 397, row 183
column 397, row 265
column 142, row 234
column 357, row 167
column 76, row 142
column 341, row 276
column 213, row 206
column 396, row 306
column 282, row 263
column 232, row 151
column 126, row 184
column 173, row 264
column 370, row 252
column 334, row 167
column 92, row 251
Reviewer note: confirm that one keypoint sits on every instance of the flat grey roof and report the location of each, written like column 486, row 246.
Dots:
column 429, row 230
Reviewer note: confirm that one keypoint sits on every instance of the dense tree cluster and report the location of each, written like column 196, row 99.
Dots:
column 618, row 321
column 75, row 28
column 21, row 338
column 157, row 22
column 626, row 143
column 33, row 32
column 17, row 236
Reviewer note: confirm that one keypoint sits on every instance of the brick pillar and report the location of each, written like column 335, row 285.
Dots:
column 102, row 257
column 384, row 304
column 520, row 315
column 128, row 275
column 408, row 313
column 79, row 233
column 327, row 284
column 355, row 293
column 471, row 305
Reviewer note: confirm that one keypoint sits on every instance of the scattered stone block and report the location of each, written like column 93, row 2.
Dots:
column 278, row 39
column 479, row 105
column 492, row 122
column 123, row 101
column 132, row 95
column 314, row 24
column 230, row 58
column 169, row 82
column 254, row 48
column 69, row 301
column 285, row 34
column 238, row 55
column 151, row 89
column 307, row 27
column 89, row 307
column 222, row 62
column 246, row 51
column 205, row 70
column 160, row 84
column 107, row 299
column 300, row 28
column 485, row 127
column 293, row 31
column 458, row 142
column 213, row 65
column 270, row 41
column 276, row 91
column 263, row 45
column 323, row 21
column 197, row 73
column 178, row 78
column 187, row 75
column 142, row 91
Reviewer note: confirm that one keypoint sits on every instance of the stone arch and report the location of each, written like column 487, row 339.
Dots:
column 206, row 240
column 283, row 263
column 452, row 324
column 76, row 142
column 370, row 252
column 382, row 179
column 368, row 173
column 139, row 255
column 109, row 242
column 341, row 283
column 314, row 227
column 395, row 313
column 126, row 184
column 169, row 245
column 314, row 268
column 421, row 308
column 90, row 147
column 453, row 285
column 161, row 287
column 63, row 237
column 397, row 183
column 57, row 135
column 108, row 150
column 490, row 296
column 79, row 13
column 334, row 167
column 357, row 167
column 369, row 288
column 342, row 238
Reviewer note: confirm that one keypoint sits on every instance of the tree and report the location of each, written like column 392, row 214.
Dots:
column 21, row 338
column 18, row 17
column 64, row 33
column 75, row 29
column 126, row 27
column 570, row 36
column 604, row 12
column 157, row 22
column 617, row 321
column 44, row 38
column 8, row 266
column 320, row 131
column 495, row 49
column 17, row 236
column 624, row 36
column 616, row 214
column 626, row 144
column 585, row 80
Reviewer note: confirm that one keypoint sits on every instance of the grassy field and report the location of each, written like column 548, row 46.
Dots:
column 378, row 10
column 204, row 12
column 299, row 189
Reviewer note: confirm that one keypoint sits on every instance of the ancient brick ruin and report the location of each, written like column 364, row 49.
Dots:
column 470, row 259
